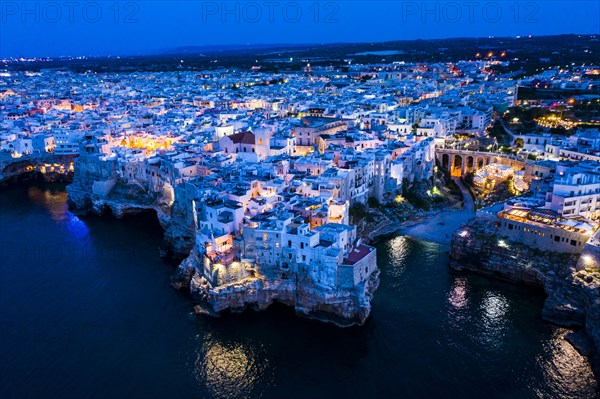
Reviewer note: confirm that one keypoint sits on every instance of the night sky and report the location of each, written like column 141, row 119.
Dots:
column 74, row 28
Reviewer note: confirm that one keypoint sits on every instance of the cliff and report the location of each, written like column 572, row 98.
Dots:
column 97, row 187
column 49, row 168
column 342, row 307
column 573, row 295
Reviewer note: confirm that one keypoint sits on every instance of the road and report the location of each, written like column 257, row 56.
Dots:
column 511, row 134
column 468, row 203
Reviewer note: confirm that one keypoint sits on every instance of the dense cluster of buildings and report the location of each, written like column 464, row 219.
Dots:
column 273, row 162
column 562, row 209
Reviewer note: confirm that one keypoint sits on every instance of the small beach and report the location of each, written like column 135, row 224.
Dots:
column 439, row 228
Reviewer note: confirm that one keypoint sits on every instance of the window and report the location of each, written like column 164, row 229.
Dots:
column 573, row 242
column 556, row 238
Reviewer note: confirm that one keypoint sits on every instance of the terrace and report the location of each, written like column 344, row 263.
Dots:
column 546, row 217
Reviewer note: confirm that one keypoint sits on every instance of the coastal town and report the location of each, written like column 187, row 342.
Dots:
column 272, row 187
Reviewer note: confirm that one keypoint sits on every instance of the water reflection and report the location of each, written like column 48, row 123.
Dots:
column 77, row 247
column 438, row 334
column 495, row 307
column 230, row 369
column 458, row 297
column 397, row 249
column 54, row 202
column 494, row 321
column 459, row 312
column 76, row 227
column 565, row 371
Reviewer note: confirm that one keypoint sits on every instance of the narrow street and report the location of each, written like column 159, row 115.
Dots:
column 469, row 204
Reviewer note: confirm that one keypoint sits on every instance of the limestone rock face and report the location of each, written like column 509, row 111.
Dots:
column 573, row 296
column 96, row 188
column 340, row 307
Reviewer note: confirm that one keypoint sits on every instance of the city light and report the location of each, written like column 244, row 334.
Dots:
column 300, row 175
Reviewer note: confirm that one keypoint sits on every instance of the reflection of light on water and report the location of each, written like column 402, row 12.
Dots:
column 227, row 371
column 494, row 308
column 77, row 228
column 458, row 296
column 566, row 372
column 459, row 312
column 56, row 205
column 397, row 250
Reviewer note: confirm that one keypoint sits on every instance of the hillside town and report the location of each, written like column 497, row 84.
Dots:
column 267, row 170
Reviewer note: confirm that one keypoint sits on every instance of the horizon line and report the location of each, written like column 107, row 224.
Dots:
column 212, row 48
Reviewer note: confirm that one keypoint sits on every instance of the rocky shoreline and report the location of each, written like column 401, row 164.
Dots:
column 342, row 308
column 53, row 177
column 174, row 210
column 48, row 168
column 392, row 228
column 572, row 301
column 178, row 240
column 573, row 298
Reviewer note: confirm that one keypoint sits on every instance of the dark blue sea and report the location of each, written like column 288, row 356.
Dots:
column 86, row 311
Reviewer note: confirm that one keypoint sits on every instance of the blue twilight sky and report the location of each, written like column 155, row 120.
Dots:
column 114, row 27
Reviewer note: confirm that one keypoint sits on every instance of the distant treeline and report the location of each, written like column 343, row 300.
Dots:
column 525, row 54
column 531, row 93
